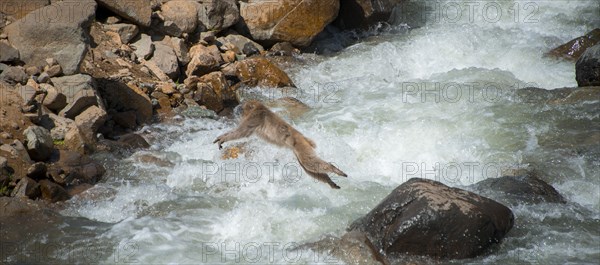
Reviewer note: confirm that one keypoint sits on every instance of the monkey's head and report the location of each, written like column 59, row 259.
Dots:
column 247, row 107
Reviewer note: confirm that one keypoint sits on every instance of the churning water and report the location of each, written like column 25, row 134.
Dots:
column 438, row 102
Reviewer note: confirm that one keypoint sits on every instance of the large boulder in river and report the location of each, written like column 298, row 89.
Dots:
column 573, row 49
column 58, row 31
column 363, row 13
column 72, row 168
column 137, row 11
column 427, row 218
column 294, row 21
column 587, row 68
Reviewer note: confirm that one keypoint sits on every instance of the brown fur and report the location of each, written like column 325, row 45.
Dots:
column 257, row 118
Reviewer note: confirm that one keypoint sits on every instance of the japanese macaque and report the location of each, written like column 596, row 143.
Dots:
column 256, row 118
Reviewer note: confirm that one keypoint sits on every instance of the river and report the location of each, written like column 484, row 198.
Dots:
column 440, row 101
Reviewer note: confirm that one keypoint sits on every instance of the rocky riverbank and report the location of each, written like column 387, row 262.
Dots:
column 81, row 77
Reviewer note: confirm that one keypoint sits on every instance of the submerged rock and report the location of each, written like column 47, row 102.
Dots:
column 427, row 218
column 522, row 187
column 573, row 49
column 587, row 68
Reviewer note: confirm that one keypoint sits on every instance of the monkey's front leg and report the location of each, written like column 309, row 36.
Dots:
column 240, row 132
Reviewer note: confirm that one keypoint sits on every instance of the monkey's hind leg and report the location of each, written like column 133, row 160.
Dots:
column 321, row 177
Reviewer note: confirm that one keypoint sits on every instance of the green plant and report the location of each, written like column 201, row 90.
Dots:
column 59, row 142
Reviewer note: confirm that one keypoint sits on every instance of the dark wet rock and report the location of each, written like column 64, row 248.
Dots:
column 125, row 119
column 136, row 11
column 126, row 31
column 133, row 141
column 8, row 53
column 573, row 49
column 14, row 75
column 74, row 169
column 364, row 13
column 283, row 49
column 587, row 68
column 27, row 187
column 294, row 21
column 126, row 97
column 40, row 35
column 53, row 192
column 427, row 218
column 522, row 186
column 39, row 143
column 37, row 171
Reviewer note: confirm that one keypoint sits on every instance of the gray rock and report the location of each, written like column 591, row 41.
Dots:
column 39, row 35
column 181, row 50
column 218, row 15
column 8, row 53
column 14, row 75
column 238, row 42
column 587, row 68
column 3, row 162
column 16, row 149
column 32, row 70
column 38, row 142
column 204, row 60
column 90, row 121
column 183, row 17
column 126, row 31
column 54, row 70
column 54, row 100
column 165, row 58
column 137, row 11
column 80, row 92
column 43, row 78
column 27, row 187
column 144, row 48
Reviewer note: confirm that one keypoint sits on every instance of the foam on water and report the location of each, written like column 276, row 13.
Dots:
column 370, row 121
